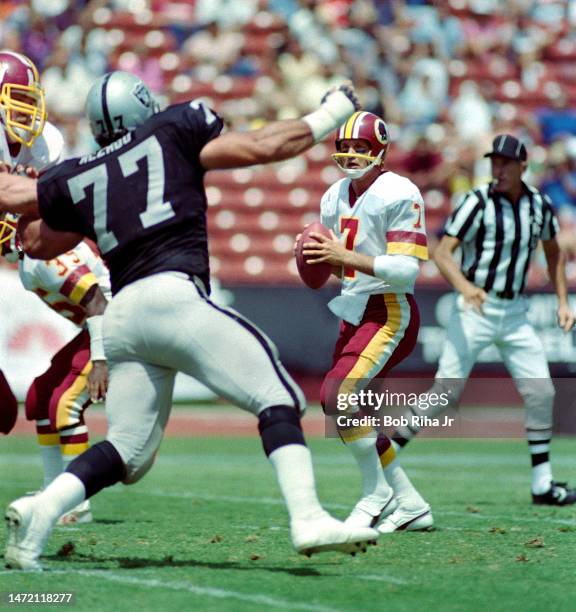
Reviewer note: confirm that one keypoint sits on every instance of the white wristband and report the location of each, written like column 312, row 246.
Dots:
column 396, row 269
column 94, row 325
column 331, row 115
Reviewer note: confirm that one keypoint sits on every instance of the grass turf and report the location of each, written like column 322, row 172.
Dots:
column 206, row 530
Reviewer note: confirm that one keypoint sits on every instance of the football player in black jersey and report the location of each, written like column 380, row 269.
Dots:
column 141, row 198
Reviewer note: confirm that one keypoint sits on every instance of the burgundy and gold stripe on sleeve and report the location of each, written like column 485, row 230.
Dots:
column 78, row 283
column 407, row 243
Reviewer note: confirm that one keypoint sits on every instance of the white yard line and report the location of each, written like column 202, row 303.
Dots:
column 188, row 587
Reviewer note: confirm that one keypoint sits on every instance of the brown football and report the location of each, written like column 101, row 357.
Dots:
column 313, row 275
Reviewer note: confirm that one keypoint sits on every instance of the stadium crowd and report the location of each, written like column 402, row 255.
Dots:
column 446, row 76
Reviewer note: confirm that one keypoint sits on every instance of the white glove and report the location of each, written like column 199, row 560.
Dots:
column 337, row 105
column 348, row 90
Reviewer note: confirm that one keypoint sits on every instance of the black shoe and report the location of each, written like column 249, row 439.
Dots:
column 558, row 495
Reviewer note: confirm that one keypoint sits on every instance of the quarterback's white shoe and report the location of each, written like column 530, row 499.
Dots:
column 326, row 534
column 28, row 530
column 368, row 511
column 77, row 516
column 402, row 519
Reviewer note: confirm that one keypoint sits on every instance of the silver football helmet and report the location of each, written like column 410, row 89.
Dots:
column 117, row 103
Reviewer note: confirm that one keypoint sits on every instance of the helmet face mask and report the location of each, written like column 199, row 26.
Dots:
column 9, row 243
column 118, row 103
column 363, row 132
column 22, row 104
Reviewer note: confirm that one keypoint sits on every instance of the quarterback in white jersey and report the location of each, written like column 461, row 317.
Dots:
column 73, row 284
column 376, row 218
column 386, row 219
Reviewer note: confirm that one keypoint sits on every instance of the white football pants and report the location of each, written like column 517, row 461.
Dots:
column 163, row 324
column 504, row 324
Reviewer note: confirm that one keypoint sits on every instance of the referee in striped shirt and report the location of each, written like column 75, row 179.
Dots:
column 497, row 228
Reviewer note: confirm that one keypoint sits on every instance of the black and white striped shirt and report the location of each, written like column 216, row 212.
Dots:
column 498, row 238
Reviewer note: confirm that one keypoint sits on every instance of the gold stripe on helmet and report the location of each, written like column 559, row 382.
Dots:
column 349, row 125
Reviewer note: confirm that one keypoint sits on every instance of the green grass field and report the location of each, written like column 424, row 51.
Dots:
column 206, row 530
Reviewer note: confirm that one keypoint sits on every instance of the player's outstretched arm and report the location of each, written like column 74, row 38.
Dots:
column 41, row 242
column 274, row 142
column 18, row 194
column 281, row 139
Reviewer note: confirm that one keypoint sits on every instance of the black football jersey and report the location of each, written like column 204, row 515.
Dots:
column 142, row 198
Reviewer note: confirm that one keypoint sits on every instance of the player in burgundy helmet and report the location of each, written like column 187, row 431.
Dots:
column 56, row 400
column 23, row 116
column 373, row 131
column 22, row 105
column 378, row 237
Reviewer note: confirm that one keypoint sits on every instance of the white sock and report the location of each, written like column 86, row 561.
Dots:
column 373, row 482
column 541, row 478
column 293, row 465
column 51, row 462
column 67, row 460
column 404, row 491
column 61, row 495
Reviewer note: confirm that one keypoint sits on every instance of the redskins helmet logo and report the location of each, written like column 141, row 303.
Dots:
column 367, row 126
column 380, row 131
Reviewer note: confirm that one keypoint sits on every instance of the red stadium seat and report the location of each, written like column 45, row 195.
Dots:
column 258, row 270
column 561, row 50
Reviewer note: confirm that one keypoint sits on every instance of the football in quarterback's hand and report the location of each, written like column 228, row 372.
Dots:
column 313, row 275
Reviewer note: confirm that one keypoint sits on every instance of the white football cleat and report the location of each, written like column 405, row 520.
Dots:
column 326, row 534
column 402, row 519
column 368, row 511
column 28, row 531
column 77, row 516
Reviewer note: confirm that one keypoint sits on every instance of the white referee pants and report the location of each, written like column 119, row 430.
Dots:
column 163, row 324
column 504, row 324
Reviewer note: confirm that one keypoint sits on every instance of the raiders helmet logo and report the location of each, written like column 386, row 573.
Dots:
column 142, row 94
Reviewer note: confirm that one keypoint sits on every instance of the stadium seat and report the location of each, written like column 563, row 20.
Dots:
column 256, row 269
column 563, row 49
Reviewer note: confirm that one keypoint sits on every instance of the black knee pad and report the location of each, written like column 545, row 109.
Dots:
column 279, row 426
column 99, row 467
